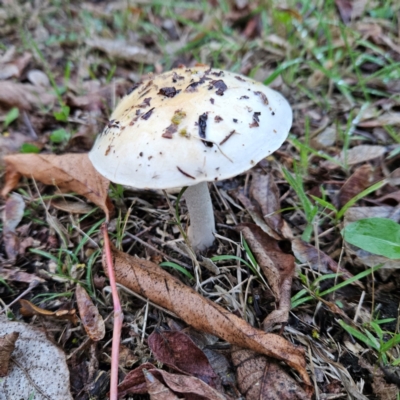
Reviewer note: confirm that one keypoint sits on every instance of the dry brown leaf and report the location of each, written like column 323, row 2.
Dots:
column 38, row 366
column 7, row 346
column 73, row 207
column 263, row 190
column 24, row 96
column 124, row 51
column 318, row 260
column 19, row 276
column 179, row 352
column 134, row 382
column 91, row 319
column 28, row 309
column 360, row 180
column 69, row 172
column 261, row 377
column 156, row 389
column 14, row 68
column 278, row 268
column 152, row 282
column 392, row 118
column 345, row 8
column 12, row 216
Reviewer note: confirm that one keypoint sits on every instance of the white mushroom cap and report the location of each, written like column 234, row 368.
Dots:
column 190, row 125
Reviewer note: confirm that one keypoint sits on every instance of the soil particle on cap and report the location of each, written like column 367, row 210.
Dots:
column 243, row 97
column 193, row 86
column 239, row 78
column 218, row 119
column 148, row 114
column 220, row 73
column 211, row 100
column 235, row 120
column 168, row 91
column 176, row 77
column 262, row 96
column 178, row 117
column 146, row 103
column 202, row 124
column 220, row 86
column 256, row 120
column 169, row 131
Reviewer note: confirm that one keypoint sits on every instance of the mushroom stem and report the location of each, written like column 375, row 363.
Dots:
column 202, row 224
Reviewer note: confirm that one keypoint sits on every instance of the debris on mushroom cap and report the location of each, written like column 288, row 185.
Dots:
column 190, row 125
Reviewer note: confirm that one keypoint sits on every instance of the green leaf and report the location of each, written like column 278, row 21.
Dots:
column 60, row 135
column 360, row 336
column 377, row 235
column 177, row 267
column 11, row 116
column 29, row 148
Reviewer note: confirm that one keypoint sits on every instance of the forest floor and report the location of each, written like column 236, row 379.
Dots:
column 279, row 262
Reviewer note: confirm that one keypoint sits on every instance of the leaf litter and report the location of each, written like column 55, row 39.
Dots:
column 59, row 80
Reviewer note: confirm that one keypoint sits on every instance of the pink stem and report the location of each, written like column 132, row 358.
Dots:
column 118, row 317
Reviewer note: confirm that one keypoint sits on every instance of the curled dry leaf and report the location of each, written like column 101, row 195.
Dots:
column 360, row 180
column 91, row 319
column 263, row 190
column 28, row 309
column 156, row 389
column 278, row 268
column 24, row 96
column 7, row 346
column 261, row 377
column 69, row 172
column 179, row 352
column 306, row 253
column 38, row 366
column 134, row 382
column 12, row 216
column 150, row 281
column 123, row 51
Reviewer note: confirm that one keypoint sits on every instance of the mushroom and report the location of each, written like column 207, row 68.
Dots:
column 187, row 127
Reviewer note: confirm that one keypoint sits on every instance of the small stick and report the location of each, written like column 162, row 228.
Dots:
column 118, row 317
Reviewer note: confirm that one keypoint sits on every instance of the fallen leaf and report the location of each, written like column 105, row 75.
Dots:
column 19, row 276
column 265, row 193
column 318, row 260
column 38, row 78
column 345, row 9
column 14, row 69
column 179, row 352
column 73, row 207
column 134, row 382
column 391, row 118
column 156, row 389
column 152, row 282
column 28, row 309
column 120, row 49
column 69, row 172
column 38, row 366
column 360, row 180
column 261, row 377
column 91, row 319
column 12, row 216
column 7, row 346
column 277, row 267
column 126, row 357
column 24, row 96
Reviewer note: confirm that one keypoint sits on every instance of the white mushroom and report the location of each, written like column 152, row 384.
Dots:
column 187, row 127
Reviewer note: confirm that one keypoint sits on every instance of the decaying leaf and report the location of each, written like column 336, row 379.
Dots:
column 318, row 260
column 19, row 276
column 277, row 267
column 123, row 51
column 91, row 319
column 179, row 352
column 73, row 207
column 24, row 96
column 7, row 346
column 150, row 281
column 38, row 366
column 261, row 377
column 360, row 180
column 28, row 309
column 362, row 153
column 156, row 389
column 264, row 191
column 12, row 216
column 134, row 382
column 69, row 172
